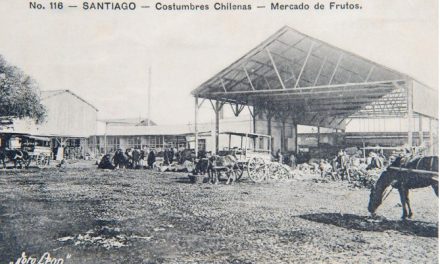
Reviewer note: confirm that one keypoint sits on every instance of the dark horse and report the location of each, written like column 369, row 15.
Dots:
column 17, row 156
column 404, row 180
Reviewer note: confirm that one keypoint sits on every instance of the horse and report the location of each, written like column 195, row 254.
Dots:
column 3, row 157
column 121, row 159
column 15, row 155
column 403, row 181
column 203, row 164
column 227, row 164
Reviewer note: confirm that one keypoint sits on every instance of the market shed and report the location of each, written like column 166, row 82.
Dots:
column 292, row 76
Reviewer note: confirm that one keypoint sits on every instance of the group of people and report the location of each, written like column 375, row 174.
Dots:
column 291, row 158
column 342, row 165
column 142, row 158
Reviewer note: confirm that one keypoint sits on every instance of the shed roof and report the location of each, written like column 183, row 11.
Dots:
column 51, row 93
column 314, row 82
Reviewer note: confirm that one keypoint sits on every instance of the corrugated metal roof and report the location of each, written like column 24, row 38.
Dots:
column 314, row 81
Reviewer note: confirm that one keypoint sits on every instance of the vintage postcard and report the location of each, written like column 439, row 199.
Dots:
column 214, row 131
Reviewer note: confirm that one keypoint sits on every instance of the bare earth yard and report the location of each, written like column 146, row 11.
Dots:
column 85, row 215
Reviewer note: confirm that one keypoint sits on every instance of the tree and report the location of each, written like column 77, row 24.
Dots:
column 19, row 94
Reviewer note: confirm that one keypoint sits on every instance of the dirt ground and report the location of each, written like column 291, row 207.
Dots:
column 85, row 215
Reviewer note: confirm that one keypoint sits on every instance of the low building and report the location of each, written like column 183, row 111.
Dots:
column 69, row 122
column 119, row 134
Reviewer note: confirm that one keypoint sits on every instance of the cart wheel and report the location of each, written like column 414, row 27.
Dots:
column 41, row 160
column 256, row 169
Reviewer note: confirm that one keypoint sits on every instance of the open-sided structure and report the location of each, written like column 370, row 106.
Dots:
column 294, row 76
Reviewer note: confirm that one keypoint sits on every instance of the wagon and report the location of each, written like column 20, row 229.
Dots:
column 38, row 149
column 254, row 156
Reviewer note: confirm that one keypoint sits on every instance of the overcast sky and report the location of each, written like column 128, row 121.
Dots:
column 104, row 56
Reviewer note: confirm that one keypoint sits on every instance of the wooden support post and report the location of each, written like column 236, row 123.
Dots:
column 420, row 130
column 319, row 138
column 409, row 94
column 254, row 126
column 105, row 139
column 217, row 125
column 363, row 149
column 295, row 126
column 269, row 127
column 196, row 132
column 283, row 136
column 83, row 147
column 431, row 137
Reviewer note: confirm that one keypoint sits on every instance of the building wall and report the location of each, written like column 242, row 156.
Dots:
column 158, row 142
column 261, row 127
column 67, row 115
column 367, row 139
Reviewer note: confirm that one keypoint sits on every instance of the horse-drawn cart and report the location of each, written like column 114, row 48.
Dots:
column 255, row 157
column 38, row 150
column 23, row 149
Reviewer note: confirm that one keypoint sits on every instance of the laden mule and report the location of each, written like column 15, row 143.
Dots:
column 404, row 180
column 226, row 164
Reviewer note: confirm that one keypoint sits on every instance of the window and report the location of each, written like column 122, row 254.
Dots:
column 112, row 144
column 134, row 142
column 202, row 144
column 261, row 143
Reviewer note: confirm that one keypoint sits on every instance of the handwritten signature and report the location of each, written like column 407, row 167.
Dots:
column 44, row 259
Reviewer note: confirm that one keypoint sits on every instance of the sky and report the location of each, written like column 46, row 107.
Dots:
column 104, row 56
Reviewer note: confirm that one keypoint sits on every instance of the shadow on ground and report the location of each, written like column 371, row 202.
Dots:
column 365, row 223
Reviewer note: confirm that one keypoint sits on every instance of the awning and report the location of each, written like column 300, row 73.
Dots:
column 39, row 138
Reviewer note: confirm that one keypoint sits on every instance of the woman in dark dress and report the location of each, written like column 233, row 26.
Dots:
column 151, row 159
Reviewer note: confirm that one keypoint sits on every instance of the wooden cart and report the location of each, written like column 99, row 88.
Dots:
column 39, row 150
column 254, row 155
